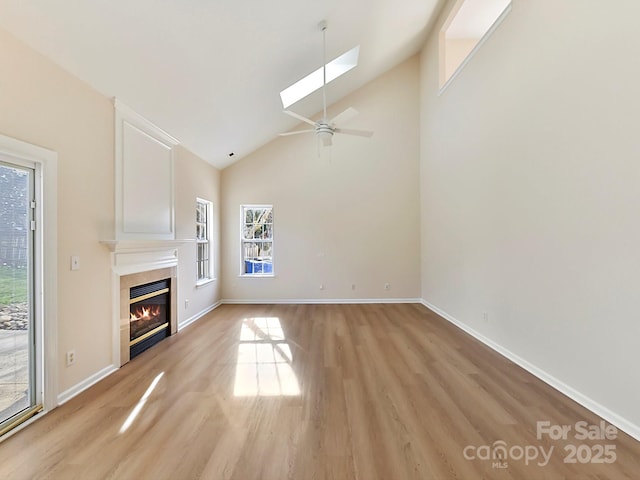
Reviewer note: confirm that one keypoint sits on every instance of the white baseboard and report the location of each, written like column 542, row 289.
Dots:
column 86, row 383
column 620, row 422
column 105, row 372
column 311, row 301
column 198, row 315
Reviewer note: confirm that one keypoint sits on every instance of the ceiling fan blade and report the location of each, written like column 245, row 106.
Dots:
column 344, row 117
column 296, row 132
column 348, row 131
column 300, row 117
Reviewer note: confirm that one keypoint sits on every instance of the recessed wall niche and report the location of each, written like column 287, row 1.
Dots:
column 144, row 178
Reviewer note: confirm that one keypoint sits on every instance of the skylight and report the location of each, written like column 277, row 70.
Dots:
column 312, row 82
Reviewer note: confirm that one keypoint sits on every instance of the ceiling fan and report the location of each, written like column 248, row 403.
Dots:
column 325, row 128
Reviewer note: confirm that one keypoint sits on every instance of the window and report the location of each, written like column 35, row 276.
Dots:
column 315, row 80
column 204, row 261
column 257, row 240
column 468, row 25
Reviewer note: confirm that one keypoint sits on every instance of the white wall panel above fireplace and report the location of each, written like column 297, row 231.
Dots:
column 147, row 203
column 144, row 178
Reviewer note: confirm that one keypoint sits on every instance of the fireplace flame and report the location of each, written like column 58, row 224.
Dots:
column 144, row 313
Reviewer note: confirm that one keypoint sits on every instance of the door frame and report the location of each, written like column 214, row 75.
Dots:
column 45, row 293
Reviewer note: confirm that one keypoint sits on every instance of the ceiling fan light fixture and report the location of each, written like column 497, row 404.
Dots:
column 324, row 133
column 325, row 128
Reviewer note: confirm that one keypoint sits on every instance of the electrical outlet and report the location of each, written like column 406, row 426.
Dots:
column 186, row 303
column 322, row 286
column 71, row 357
column 75, row 262
column 485, row 316
column 387, row 286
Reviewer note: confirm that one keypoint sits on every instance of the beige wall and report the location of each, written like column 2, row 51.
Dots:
column 457, row 49
column 529, row 185
column 43, row 105
column 195, row 179
column 348, row 219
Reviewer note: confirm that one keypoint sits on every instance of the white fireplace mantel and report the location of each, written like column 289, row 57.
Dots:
column 135, row 256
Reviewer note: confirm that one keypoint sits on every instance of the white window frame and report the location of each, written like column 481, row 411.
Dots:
column 243, row 241
column 445, row 77
column 204, row 226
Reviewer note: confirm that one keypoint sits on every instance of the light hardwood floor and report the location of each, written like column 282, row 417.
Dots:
column 338, row 392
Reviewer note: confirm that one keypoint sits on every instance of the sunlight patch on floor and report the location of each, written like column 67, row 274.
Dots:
column 264, row 365
column 140, row 405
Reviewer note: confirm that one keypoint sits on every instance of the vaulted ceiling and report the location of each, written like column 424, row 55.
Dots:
column 209, row 72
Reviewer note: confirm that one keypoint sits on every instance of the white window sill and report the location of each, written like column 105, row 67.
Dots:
column 256, row 275
column 202, row 283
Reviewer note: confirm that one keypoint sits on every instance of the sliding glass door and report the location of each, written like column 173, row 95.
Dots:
column 17, row 335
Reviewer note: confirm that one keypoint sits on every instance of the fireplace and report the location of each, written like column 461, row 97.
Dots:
column 149, row 315
column 137, row 285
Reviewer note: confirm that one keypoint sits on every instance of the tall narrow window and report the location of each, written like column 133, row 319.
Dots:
column 468, row 24
column 204, row 250
column 257, row 240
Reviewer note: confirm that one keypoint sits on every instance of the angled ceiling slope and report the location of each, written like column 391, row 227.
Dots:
column 210, row 73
